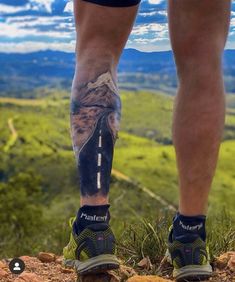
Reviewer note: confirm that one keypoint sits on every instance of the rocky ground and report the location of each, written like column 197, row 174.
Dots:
column 48, row 268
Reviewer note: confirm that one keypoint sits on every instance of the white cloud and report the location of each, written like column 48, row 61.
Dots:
column 230, row 45
column 163, row 13
column 141, row 40
column 232, row 22
column 155, row 2
column 30, row 46
column 148, row 28
column 6, row 9
column 69, row 7
column 33, row 5
column 164, row 46
column 148, row 14
column 36, row 20
column 12, row 31
column 43, row 4
column 17, row 31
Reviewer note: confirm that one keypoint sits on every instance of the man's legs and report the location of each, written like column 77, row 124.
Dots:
column 102, row 33
column 198, row 30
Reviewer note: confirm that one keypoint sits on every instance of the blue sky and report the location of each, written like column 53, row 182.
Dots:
column 31, row 25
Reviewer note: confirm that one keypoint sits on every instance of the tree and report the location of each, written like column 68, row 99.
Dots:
column 20, row 212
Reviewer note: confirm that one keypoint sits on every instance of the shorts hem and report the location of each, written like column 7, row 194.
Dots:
column 115, row 3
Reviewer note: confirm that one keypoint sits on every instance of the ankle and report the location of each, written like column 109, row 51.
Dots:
column 189, row 226
column 88, row 215
column 94, row 201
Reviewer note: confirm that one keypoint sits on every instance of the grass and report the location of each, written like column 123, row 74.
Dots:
column 148, row 238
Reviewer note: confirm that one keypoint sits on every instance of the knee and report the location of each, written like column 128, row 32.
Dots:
column 90, row 58
column 198, row 58
column 93, row 51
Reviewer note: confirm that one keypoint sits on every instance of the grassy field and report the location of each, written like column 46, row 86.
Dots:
column 154, row 166
column 148, row 115
column 35, row 137
column 43, row 133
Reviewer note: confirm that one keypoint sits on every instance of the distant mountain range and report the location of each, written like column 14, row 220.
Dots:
column 154, row 70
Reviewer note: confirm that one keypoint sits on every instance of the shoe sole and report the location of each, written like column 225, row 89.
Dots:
column 193, row 273
column 98, row 264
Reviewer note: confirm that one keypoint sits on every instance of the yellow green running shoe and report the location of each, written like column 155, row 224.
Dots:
column 190, row 258
column 91, row 251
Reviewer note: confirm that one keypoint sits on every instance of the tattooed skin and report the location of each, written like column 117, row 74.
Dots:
column 95, row 119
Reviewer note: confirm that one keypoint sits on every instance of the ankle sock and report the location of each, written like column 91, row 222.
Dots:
column 88, row 215
column 189, row 227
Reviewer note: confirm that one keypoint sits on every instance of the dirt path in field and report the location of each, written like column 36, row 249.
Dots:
column 120, row 175
column 12, row 128
column 14, row 135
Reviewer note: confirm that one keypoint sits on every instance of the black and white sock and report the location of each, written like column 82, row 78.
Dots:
column 88, row 215
column 189, row 227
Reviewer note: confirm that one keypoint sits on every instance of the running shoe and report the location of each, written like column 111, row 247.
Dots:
column 189, row 257
column 92, row 250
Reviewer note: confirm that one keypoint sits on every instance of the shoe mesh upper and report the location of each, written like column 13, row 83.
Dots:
column 95, row 240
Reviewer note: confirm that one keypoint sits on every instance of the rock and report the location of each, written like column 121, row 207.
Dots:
column 223, row 260
column 145, row 263
column 59, row 260
column 28, row 277
column 28, row 259
column 46, row 257
column 3, row 265
column 104, row 277
column 66, row 270
column 231, row 263
column 115, row 279
column 3, row 273
column 114, row 276
column 126, row 272
column 147, row 279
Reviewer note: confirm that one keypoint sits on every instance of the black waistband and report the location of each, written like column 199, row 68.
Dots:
column 115, row 3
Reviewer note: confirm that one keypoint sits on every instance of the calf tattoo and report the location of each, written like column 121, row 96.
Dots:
column 95, row 119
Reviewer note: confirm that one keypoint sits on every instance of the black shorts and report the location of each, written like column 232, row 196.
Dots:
column 115, row 3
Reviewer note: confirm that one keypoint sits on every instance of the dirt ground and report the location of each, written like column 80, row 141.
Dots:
column 50, row 269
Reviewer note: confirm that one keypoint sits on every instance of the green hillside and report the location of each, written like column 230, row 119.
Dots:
column 43, row 143
column 154, row 166
column 147, row 114
column 38, row 181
